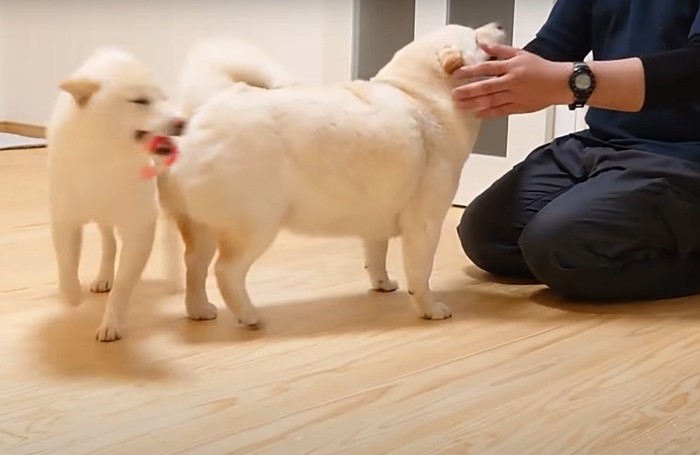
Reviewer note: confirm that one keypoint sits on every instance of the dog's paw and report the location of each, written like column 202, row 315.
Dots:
column 250, row 319
column 101, row 285
column 387, row 285
column 204, row 311
column 437, row 311
column 108, row 331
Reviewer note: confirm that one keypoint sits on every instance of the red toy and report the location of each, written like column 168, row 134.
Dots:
column 160, row 146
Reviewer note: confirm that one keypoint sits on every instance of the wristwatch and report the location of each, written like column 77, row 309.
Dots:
column 582, row 83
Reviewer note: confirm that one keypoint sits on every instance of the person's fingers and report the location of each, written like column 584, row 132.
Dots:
column 486, row 69
column 482, row 88
column 486, row 101
column 500, row 51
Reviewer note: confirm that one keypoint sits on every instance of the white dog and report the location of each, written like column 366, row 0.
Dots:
column 96, row 139
column 371, row 159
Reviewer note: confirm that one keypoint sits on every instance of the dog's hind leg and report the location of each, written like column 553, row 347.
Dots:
column 137, row 240
column 238, row 250
column 200, row 246
column 67, row 241
column 105, row 276
column 375, row 264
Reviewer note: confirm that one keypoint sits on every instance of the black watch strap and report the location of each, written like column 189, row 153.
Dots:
column 582, row 83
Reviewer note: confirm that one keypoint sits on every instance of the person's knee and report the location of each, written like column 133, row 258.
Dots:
column 558, row 255
column 476, row 232
column 537, row 245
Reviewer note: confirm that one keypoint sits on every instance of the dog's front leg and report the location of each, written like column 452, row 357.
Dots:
column 200, row 246
column 420, row 240
column 67, row 241
column 375, row 263
column 137, row 243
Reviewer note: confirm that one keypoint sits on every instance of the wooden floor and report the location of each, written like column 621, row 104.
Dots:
column 337, row 369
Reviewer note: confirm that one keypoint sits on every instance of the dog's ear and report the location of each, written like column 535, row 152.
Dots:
column 82, row 89
column 451, row 59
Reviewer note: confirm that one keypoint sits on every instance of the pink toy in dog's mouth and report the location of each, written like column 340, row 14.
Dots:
column 162, row 147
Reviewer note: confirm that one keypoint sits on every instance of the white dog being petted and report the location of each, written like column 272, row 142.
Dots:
column 374, row 160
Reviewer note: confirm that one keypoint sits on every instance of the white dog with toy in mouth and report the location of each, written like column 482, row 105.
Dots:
column 108, row 146
column 371, row 159
column 99, row 171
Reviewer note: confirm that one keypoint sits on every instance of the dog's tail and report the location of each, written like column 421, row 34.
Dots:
column 215, row 65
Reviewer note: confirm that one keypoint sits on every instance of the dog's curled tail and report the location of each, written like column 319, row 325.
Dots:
column 214, row 65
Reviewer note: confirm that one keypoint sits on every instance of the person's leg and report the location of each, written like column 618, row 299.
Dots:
column 492, row 223
column 630, row 232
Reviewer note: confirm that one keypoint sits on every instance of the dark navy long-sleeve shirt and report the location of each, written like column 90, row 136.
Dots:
column 665, row 35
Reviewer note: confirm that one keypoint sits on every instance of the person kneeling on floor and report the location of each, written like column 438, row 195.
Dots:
column 610, row 213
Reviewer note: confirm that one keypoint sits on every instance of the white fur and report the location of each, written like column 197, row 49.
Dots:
column 94, row 166
column 370, row 159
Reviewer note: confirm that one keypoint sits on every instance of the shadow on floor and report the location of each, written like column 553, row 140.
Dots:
column 679, row 308
column 65, row 343
column 66, row 347
column 485, row 277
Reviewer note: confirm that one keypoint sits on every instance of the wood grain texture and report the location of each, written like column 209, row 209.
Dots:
column 337, row 369
column 23, row 129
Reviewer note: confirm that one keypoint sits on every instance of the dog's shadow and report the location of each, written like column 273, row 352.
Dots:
column 66, row 345
column 357, row 313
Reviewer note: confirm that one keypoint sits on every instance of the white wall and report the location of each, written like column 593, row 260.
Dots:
column 42, row 41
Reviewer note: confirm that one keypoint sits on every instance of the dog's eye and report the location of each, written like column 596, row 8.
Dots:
column 493, row 58
column 141, row 101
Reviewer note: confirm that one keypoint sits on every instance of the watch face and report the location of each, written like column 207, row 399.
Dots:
column 582, row 82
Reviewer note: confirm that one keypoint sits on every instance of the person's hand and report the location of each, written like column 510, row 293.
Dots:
column 518, row 82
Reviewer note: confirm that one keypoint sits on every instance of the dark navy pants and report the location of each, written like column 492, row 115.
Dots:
column 591, row 223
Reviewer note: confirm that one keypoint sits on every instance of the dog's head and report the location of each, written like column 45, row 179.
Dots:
column 439, row 53
column 116, row 93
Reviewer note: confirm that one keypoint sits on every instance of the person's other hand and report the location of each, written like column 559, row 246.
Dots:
column 518, row 82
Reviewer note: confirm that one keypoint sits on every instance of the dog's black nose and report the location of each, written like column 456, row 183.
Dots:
column 498, row 25
column 177, row 127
